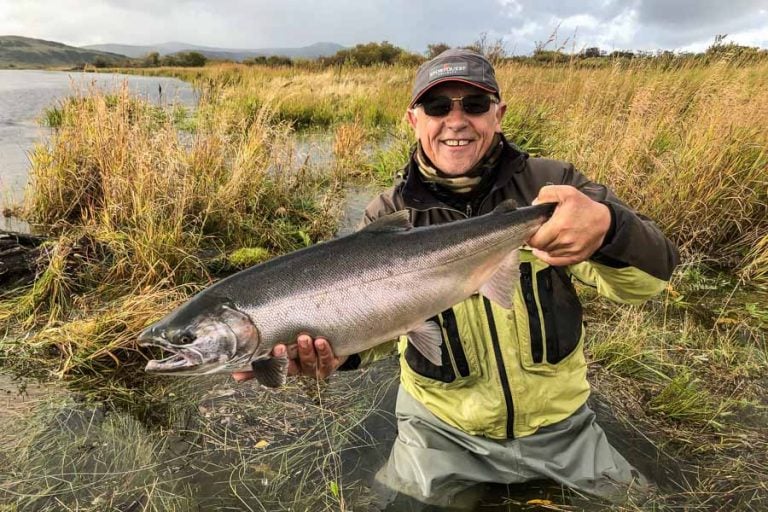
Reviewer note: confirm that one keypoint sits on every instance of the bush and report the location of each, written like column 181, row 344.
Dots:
column 185, row 59
column 370, row 54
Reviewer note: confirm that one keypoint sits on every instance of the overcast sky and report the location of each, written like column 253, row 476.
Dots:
column 640, row 24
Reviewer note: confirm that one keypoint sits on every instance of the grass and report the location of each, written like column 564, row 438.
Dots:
column 138, row 211
column 692, row 383
column 226, row 447
column 146, row 205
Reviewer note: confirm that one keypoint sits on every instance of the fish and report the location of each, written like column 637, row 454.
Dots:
column 357, row 291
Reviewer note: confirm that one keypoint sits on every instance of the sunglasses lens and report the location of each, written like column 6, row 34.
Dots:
column 476, row 103
column 437, row 106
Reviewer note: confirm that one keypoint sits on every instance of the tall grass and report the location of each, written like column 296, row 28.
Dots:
column 685, row 144
column 687, row 147
column 137, row 208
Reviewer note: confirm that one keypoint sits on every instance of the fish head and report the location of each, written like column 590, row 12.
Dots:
column 206, row 335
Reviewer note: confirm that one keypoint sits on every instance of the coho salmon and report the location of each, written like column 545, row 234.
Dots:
column 356, row 291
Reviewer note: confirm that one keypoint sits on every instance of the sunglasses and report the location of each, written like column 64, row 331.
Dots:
column 439, row 106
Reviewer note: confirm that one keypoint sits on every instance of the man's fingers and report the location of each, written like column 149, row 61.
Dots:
column 328, row 361
column 545, row 236
column 242, row 376
column 307, row 355
column 548, row 194
column 293, row 368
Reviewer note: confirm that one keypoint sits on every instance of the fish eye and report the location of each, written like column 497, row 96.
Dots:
column 185, row 339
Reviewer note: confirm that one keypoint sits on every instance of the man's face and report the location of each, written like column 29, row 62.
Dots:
column 457, row 141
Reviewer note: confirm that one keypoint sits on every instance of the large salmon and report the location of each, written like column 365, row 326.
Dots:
column 356, row 291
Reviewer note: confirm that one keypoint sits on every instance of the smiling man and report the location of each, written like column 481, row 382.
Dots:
column 508, row 404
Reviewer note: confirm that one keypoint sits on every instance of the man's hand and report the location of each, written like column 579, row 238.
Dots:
column 312, row 358
column 576, row 229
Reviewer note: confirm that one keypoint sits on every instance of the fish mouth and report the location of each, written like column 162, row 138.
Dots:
column 181, row 358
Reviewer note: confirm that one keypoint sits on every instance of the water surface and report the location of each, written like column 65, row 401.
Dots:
column 25, row 94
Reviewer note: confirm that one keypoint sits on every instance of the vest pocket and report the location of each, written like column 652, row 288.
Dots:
column 562, row 313
column 451, row 346
column 554, row 315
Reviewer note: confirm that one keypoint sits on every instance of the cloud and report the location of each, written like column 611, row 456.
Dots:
column 696, row 13
column 610, row 24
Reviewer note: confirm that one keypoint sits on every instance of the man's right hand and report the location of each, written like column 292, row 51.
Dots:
column 308, row 357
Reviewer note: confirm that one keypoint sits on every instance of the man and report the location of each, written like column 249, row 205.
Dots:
column 509, row 403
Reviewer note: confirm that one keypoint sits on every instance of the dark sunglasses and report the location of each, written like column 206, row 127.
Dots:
column 439, row 106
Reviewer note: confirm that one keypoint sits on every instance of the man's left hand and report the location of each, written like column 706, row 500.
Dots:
column 576, row 229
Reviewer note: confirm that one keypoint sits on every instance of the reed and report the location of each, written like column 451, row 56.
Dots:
column 133, row 204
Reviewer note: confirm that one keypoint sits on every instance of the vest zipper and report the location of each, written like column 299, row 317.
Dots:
column 502, row 369
column 494, row 337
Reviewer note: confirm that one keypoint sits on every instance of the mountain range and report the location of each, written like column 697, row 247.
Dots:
column 28, row 53
column 25, row 52
column 306, row 52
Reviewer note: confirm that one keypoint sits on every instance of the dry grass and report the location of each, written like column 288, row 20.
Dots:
column 685, row 143
column 137, row 209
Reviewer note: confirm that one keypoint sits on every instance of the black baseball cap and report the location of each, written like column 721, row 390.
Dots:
column 455, row 65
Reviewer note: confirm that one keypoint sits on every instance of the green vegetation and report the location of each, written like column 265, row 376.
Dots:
column 372, row 54
column 688, row 372
column 179, row 59
column 146, row 205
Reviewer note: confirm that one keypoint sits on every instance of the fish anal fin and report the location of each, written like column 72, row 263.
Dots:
column 271, row 372
column 427, row 339
column 501, row 285
column 396, row 221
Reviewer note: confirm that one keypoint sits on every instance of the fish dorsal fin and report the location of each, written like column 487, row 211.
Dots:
column 500, row 287
column 427, row 339
column 270, row 372
column 397, row 221
column 507, row 205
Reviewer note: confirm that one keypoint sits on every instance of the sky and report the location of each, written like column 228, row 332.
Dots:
column 677, row 25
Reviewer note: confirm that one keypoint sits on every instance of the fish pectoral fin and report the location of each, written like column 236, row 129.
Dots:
column 427, row 339
column 500, row 287
column 270, row 372
column 397, row 221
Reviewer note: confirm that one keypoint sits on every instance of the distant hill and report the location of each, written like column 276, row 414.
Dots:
column 306, row 52
column 25, row 53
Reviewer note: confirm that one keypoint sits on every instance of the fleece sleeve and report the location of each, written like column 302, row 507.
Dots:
column 636, row 259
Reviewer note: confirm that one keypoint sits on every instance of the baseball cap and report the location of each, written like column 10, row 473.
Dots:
column 455, row 65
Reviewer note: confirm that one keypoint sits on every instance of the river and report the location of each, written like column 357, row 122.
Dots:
column 24, row 96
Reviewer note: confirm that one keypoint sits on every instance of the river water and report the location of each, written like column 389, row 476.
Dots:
column 24, row 96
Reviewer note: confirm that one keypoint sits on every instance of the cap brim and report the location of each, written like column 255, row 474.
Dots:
column 452, row 79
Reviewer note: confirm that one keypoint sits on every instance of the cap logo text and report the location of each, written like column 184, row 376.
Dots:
column 448, row 69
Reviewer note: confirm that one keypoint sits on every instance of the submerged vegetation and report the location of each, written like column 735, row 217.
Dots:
column 144, row 205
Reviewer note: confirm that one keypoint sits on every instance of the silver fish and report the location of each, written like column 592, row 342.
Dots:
column 356, row 291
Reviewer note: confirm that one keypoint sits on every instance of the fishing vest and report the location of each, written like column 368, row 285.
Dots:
column 506, row 372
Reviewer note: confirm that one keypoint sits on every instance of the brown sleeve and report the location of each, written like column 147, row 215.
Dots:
column 636, row 240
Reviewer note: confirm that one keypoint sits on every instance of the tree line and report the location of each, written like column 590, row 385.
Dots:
column 385, row 53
